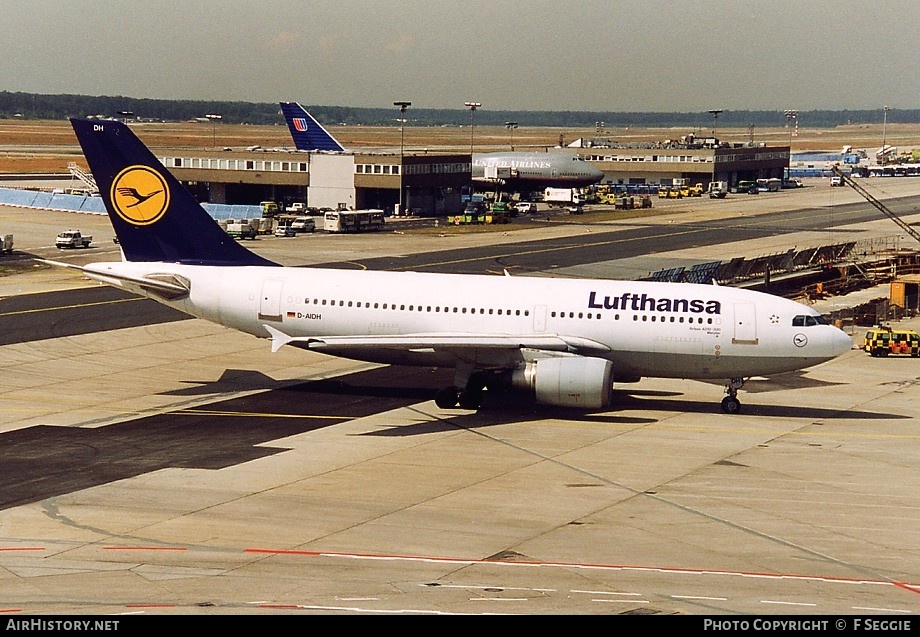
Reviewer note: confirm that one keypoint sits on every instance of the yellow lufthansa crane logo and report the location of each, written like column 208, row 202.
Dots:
column 140, row 195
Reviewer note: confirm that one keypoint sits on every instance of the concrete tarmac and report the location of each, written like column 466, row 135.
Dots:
column 183, row 468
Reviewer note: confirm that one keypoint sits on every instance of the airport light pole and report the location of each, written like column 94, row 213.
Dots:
column 790, row 117
column 885, row 126
column 715, row 118
column 472, row 106
column 511, row 126
column 402, row 106
column 213, row 117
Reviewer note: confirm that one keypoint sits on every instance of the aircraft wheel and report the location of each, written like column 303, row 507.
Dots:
column 446, row 398
column 731, row 405
column 470, row 399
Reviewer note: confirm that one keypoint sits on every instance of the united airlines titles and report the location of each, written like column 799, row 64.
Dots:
column 514, row 163
column 645, row 303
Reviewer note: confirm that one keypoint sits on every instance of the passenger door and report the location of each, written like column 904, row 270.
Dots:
column 270, row 302
column 745, row 328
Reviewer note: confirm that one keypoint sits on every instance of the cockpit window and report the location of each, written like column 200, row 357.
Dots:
column 807, row 321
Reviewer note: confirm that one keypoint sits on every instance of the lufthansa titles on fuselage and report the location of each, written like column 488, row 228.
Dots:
column 645, row 303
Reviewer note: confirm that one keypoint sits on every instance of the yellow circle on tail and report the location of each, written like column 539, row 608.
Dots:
column 140, row 195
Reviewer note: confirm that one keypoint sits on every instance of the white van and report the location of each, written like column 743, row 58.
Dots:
column 525, row 207
column 303, row 224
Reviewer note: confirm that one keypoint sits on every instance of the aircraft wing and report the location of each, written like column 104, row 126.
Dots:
column 439, row 340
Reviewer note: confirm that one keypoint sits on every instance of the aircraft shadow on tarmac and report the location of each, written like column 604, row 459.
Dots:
column 45, row 461
column 230, row 380
column 503, row 410
column 798, row 379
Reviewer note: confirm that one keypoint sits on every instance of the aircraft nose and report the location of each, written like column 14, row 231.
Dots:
column 841, row 342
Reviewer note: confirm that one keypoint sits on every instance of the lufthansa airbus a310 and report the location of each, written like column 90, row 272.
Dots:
column 563, row 341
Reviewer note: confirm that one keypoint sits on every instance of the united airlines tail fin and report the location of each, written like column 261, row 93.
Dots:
column 308, row 134
column 155, row 218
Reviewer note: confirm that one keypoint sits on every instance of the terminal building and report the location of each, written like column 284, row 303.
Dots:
column 432, row 184
column 690, row 159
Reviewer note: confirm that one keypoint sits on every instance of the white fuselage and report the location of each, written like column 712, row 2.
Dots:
column 534, row 171
column 674, row 330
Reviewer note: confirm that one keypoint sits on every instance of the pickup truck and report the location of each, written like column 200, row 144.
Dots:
column 73, row 239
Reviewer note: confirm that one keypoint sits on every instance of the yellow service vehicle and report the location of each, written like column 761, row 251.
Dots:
column 270, row 209
column 499, row 213
column 882, row 341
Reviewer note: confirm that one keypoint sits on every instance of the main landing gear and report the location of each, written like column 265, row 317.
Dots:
column 470, row 397
column 731, row 404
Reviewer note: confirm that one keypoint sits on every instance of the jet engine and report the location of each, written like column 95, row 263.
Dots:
column 575, row 381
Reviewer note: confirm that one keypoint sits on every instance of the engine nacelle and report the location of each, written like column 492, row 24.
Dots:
column 575, row 381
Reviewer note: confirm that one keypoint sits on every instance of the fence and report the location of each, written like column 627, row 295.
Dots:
column 93, row 204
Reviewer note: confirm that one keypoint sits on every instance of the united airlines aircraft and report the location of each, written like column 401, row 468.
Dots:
column 307, row 133
column 564, row 341
column 506, row 171
column 529, row 172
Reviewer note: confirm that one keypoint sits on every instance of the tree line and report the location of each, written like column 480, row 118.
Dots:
column 38, row 106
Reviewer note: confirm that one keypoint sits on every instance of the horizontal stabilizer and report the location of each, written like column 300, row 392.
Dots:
column 168, row 286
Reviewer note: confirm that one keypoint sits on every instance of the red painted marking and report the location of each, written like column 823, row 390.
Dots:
column 283, row 552
column 144, row 548
column 21, row 548
column 914, row 588
column 10, row 610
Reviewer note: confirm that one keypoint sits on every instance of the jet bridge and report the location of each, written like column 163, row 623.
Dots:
column 849, row 181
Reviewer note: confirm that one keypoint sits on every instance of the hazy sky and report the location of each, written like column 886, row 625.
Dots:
column 585, row 55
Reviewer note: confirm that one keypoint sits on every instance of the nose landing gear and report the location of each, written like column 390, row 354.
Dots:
column 731, row 404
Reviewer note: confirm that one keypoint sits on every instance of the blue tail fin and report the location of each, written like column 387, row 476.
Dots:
column 308, row 134
column 155, row 218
